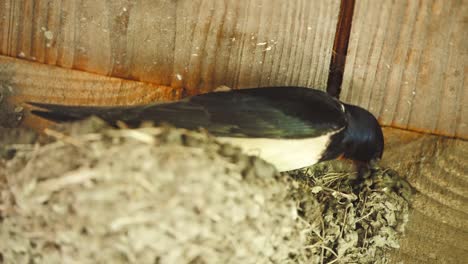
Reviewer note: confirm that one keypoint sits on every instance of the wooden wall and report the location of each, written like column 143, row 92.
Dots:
column 408, row 64
column 406, row 60
column 195, row 44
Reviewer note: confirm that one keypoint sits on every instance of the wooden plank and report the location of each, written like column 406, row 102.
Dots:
column 195, row 44
column 437, row 168
column 28, row 81
column 407, row 63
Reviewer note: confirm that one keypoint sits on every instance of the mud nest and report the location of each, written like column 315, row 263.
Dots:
column 162, row 195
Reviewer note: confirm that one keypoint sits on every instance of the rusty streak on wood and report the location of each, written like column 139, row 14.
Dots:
column 340, row 47
column 194, row 44
column 406, row 63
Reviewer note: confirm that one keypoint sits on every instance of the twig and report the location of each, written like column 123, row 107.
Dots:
column 360, row 218
column 62, row 137
column 344, row 220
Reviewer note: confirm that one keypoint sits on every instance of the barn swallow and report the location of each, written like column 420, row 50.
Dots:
column 290, row 127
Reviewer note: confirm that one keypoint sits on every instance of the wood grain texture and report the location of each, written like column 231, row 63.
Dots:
column 436, row 167
column 195, row 44
column 407, row 63
column 28, row 81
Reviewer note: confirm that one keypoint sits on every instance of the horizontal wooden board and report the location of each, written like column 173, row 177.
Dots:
column 195, row 44
column 407, row 63
column 436, row 167
column 26, row 81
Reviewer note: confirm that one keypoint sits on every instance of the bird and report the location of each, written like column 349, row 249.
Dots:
column 290, row 127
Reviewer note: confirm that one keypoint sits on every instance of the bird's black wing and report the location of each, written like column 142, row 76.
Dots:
column 273, row 112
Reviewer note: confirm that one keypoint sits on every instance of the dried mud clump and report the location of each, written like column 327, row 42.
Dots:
column 152, row 195
column 162, row 195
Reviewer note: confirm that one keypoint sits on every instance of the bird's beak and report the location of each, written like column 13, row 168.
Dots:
column 374, row 163
column 364, row 169
column 341, row 157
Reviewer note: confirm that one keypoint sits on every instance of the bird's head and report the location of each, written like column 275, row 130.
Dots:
column 363, row 139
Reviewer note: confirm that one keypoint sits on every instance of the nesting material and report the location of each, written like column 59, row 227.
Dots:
column 10, row 115
column 154, row 195
column 164, row 195
column 352, row 218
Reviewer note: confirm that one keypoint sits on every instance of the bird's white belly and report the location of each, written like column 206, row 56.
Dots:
column 285, row 154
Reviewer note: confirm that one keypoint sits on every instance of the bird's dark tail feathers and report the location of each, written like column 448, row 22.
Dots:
column 53, row 116
column 65, row 113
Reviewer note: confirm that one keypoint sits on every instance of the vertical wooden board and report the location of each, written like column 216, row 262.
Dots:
column 407, row 64
column 287, row 43
column 150, row 41
column 92, row 42
column 195, row 44
column 253, row 43
column 64, row 42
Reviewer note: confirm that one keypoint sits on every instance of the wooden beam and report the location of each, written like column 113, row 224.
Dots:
column 28, row 81
column 435, row 166
column 407, row 64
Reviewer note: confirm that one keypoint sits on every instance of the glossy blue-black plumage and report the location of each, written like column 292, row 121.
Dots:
column 363, row 138
column 269, row 112
column 274, row 112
